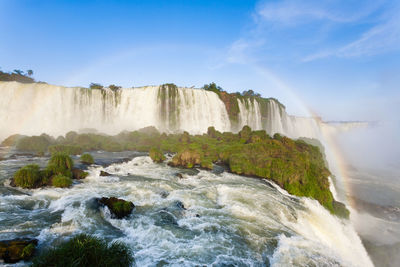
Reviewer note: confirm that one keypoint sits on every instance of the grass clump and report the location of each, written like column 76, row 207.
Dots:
column 28, row 176
column 87, row 159
column 61, row 181
column 85, row 250
column 61, row 163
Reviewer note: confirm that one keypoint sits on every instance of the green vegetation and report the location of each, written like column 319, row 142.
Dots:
column 232, row 106
column 58, row 173
column 118, row 207
column 35, row 143
column 96, row 86
column 87, row 159
column 114, row 87
column 61, row 163
column 12, row 251
column 294, row 165
column 28, row 176
column 18, row 76
column 61, row 181
column 156, row 155
column 67, row 149
column 85, row 250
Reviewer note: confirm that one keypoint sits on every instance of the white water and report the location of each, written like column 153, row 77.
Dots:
column 33, row 109
column 243, row 221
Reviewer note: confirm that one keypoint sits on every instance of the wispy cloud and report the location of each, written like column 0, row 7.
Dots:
column 306, row 31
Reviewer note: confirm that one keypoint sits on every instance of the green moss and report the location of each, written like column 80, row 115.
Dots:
column 28, row 251
column 61, row 181
column 85, row 250
column 28, row 177
column 87, row 159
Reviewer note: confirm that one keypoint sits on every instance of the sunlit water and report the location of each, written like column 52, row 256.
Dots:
column 227, row 220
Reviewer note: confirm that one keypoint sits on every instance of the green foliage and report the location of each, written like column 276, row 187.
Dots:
column 87, row 159
column 85, row 250
column 213, row 87
column 67, row 149
column 28, row 251
column 28, row 177
column 122, row 207
column 34, row 143
column 17, row 76
column 61, row 181
column 96, row 86
column 156, row 155
column 61, row 163
column 114, row 87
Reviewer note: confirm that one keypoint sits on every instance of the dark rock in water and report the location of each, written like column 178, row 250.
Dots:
column 166, row 218
column 119, row 208
column 179, row 175
column 103, row 173
column 197, row 215
column 78, row 174
column 164, row 194
column 180, row 205
column 15, row 250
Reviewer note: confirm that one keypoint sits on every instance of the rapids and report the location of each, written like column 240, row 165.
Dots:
column 226, row 220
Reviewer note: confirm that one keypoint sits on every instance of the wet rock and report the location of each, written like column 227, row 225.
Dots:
column 197, row 215
column 15, row 250
column 166, row 218
column 78, row 174
column 180, row 205
column 103, row 173
column 119, row 208
column 179, row 175
column 164, row 194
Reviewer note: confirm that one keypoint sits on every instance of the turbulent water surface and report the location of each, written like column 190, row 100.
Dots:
column 225, row 220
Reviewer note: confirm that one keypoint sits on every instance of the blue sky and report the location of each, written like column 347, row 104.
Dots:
column 339, row 58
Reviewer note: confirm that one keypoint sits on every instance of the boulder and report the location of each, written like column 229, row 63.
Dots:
column 119, row 208
column 103, row 173
column 15, row 250
column 78, row 174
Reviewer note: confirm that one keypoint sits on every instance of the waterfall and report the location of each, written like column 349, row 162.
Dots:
column 32, row 109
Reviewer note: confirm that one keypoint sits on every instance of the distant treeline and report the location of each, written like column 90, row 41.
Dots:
column 17, row 76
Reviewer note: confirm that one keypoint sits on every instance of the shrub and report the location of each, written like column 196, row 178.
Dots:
column 85, row 250
column 87, row 159
column 61, row 181
column 28, row 176
column 61, row 163
column 156, row 155
column 96, row 86
column 34, row 143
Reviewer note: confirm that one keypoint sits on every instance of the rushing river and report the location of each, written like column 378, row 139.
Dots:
column 204, row 218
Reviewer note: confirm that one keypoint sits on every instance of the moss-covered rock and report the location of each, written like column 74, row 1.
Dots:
column 79, row 174
column 340, row 209
column 87, row 159
column 156, row 155
column 12, row 251
column 119, row 208
column 187, row 158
